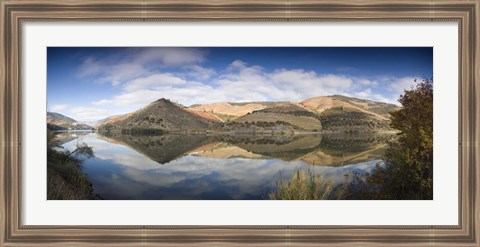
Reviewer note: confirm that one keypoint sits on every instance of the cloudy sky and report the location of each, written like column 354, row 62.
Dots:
column 89, row 84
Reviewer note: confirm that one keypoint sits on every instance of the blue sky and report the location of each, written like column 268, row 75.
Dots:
column 88, row 83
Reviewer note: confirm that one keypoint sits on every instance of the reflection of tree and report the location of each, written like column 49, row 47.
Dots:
column 408, row 170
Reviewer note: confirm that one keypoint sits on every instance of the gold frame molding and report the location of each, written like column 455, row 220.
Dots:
column 13, row 13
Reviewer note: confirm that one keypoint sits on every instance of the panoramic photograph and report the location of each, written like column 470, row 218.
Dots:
column 239, row 123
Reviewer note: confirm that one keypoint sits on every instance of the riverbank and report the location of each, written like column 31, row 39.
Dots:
column 251, row 132
column 65, row 178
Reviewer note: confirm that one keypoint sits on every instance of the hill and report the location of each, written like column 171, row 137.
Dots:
column 324, row 113
column 228, row 111
column 377, row 109
column 278, row 117
column 57, row 121
column 346, row 119
column 341, row 113
column 159, row 116
column 291, row 108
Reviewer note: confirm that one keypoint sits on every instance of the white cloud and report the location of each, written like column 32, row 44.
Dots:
column 237, row 64
column 154, row 81
column 137, row 98
column 103, row 102
column 89, row 114
column 310, row 84
column 137, row 62
column 241, row 83
column 169, row 56
column 200, row 73
column 58, row 107
column 141, row 76
column 368, row 94
column 113, row 73
column 90, row 67
column 364, row 94
column 366, row 82
column 399, row 85
column 118, row 73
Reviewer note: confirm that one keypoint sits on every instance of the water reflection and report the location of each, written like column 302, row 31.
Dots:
column 217, row 167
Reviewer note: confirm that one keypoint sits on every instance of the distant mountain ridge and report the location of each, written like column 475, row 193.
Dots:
column 104, row 120
column 315, row 104
column 323, row 113
column 228, row 111
column 57, row 121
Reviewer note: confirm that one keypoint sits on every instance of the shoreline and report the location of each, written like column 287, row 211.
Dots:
column 248, row 132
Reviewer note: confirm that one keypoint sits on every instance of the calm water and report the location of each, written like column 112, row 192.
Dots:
column 183, row 167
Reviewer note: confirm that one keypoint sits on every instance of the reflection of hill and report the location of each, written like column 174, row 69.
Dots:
column 160, row 148
column 327, row 150
column 223, row 150
column 346, row 144
column 64, row 137
column 284, row 147
column 324, row 150
column 324, row 159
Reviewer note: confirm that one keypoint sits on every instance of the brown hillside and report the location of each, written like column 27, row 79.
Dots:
column 207, row 115
column 285, row 108
column 331, row 113
column 225, row 108
column 162, row 115
column 322, row 103
column 297, row 122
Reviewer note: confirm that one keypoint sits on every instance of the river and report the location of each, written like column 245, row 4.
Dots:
column 201, row 167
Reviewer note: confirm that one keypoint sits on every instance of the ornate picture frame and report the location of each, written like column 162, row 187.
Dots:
column 14, row 13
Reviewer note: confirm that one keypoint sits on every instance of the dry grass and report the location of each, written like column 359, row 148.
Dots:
column 304, row 185
column 66, row 181
column 65, row 178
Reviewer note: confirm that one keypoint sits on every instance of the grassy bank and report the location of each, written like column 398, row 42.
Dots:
column 304, row 185
column 65, row 179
